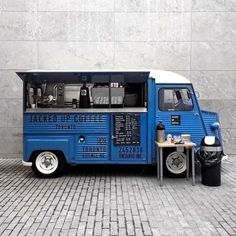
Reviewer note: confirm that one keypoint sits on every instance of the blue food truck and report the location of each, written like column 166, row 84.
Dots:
column 108, row 117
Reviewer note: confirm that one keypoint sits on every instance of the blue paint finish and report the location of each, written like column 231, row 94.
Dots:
column 88, row 137
column 82, row 137
column 197, row 123
column 93, row 147
column 209, row 119
column 47, row 143
column 151, row 127
column 65, row 123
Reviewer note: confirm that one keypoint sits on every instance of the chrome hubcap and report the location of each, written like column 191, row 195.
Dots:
column 176, row 162
column 47, row 162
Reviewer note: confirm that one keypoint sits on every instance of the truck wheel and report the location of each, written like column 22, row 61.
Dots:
column 175, row 164
column 48, row 164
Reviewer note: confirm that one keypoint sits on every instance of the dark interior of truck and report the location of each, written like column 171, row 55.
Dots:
column 84, row 90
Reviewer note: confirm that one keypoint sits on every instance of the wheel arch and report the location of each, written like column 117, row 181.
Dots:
column 36, row 144
column 59, row 153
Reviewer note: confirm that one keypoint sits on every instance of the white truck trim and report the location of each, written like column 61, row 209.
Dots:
column 160, row 76
column 25, row 163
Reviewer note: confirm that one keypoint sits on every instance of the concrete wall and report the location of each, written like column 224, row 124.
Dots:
column 196, row 38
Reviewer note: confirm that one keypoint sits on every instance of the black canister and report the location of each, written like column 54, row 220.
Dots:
column 74, row 103
column 160, row 132
column 84, row 101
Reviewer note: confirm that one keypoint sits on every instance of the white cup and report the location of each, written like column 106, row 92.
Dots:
column 33, row 106
column 169, row 138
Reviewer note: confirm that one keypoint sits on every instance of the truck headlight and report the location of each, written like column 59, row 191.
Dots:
column 215, row 125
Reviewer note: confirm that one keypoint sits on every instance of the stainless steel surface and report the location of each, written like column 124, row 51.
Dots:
column 187, row 164
column 100, row 95
column 71, row 92
column 193, row 168
column 161, row 166
column 211, row 149
column 186, row 137
column 86, row 110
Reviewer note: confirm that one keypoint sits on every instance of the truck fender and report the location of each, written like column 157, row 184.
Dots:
column 52, row 143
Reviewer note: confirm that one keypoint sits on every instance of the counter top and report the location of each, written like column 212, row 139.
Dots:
column 167, row 144
column 87, row 110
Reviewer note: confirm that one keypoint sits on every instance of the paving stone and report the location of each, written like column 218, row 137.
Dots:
column 114, row 203
column 114, row 228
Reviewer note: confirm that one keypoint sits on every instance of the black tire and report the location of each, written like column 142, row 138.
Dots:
column 178, row 169
column 48, row 164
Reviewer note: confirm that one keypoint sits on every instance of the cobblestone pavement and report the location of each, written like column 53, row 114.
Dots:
column 114, row 201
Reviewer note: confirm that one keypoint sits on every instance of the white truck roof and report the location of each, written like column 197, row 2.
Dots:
column 168, row 77
column 160, row 76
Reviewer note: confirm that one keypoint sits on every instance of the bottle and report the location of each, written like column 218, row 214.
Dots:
column 160, row 132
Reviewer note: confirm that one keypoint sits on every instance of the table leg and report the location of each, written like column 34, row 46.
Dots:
column 193, row 168
column 187, row 163
column 158, row 163
column 161, row 166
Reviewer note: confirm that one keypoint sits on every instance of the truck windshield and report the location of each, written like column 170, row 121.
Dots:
column 175, row 99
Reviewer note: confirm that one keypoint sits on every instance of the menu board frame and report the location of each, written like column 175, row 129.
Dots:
column 126, row 129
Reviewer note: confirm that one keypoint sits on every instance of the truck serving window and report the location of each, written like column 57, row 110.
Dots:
column 175, row 99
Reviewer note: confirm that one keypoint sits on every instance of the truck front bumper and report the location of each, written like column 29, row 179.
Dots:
column 26, row 163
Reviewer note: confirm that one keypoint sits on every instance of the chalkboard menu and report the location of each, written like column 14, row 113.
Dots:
column 127, row 129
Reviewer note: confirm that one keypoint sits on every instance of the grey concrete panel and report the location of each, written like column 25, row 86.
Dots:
column 152, row 26
column 213, row 26
column 170, row 27
column 52, row 26
column 11, row 141
column 91, row 26
column 213, row 56
column 213, row 5
column 226, row 110
column 3, row 113
column 152, row 5
column 11, row 85
column 15, row 113
column 185, row 73
column 76, row 5
column 167, row 56
column 18, row 25
column 229, row 138
column 132, row 26
column 215, row 84
column 76, row 26
column 133, row 6
column 18, row 5
column 190, row 37
column 18, row 55
column 11, row 113
column 75, row 55
column 171, row 5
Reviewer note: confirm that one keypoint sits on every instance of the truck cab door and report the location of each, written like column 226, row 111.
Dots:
column 178, row 109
